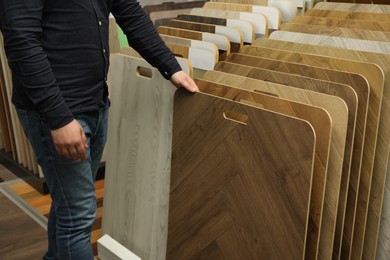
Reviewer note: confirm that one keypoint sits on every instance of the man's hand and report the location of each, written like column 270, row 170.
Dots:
column 70, row 141
column 181, row 79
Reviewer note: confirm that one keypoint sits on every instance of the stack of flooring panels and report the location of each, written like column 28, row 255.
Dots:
column 353, row 38
column 225, row 25
column 307, row 178
column 13, row 138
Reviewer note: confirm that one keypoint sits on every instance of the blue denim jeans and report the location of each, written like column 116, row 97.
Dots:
column 70, row 182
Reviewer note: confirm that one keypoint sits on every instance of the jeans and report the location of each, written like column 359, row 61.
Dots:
column 70, row 182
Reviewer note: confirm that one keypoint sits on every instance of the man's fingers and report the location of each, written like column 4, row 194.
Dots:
column 82, row 154
column 73, row 153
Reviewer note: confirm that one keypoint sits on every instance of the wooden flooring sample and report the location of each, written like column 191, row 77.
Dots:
column 353, row 7
column 345, row 23
column 202, row 55
column 272, row 14
column 379, row 17
column 219, row 40
column 233, row 34
column 333, row 41
column 184, row 63
column 246, row 28
column 227, row 167
column 171, row 6
column 343, row 91
column 137, row 176
column 325, row 216
column 337, row 31
column 377, row 98
column 259, row 21
column 361, row 87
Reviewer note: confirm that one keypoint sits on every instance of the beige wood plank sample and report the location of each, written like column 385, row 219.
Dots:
column 353, row 7
column 113, row 37
column 233, row 34
column 338, row 32
column 138, row 164
column 259, row 21
column 340, row 42
column 382, row 145
column 221, row 219
column 331, row 183
column 379, row 17
column 202, row 55
column 184, row 63
column 246, row 28
column 359, row 84
column 345, row 23
column 246, row 2
column 219, row 40
column 272, row 14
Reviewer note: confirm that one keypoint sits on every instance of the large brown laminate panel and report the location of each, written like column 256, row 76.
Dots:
column 234, row 193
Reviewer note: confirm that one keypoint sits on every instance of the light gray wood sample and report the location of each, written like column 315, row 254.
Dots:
column 137, row 176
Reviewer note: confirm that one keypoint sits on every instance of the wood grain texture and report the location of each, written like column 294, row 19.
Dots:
column 328, row 187
column 217, row 202
column 343, row 91
column 172, row 6
column 8, row 88
column 272, row 14
column 287, row 8
column 138, row 164
column 345, row 23
column 113, row 36
column 246, row 2
column 339, row 42
column 4, row 114
column 360, row 85
column 202, row 55
column 259, row 21
column 246, row 28
column 337, row 31
column 20, row 236
column 184, row 63
column 220, row 41
column 233, row 34
column 382, row 145
column 353, row 7
column 379, row 17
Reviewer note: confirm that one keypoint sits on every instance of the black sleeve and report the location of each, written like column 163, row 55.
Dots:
column 143, row 37
column 20, row 22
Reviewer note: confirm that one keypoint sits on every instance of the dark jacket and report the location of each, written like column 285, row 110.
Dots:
column 59, row 55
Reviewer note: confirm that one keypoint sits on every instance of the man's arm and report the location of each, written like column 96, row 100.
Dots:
column 22, row 32
column 143, row 37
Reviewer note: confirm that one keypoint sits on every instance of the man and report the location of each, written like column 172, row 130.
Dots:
column 59, row 56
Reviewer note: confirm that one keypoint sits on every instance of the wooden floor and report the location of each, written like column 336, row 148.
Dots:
column 42, row 204
column 20, row 236
column 16, row 236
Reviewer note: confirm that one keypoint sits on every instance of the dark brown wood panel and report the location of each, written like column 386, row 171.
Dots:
column 263, row 193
